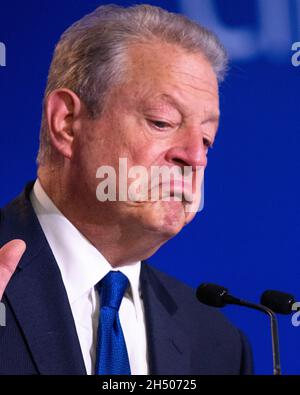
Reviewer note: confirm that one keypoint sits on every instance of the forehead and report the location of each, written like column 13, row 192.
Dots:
column 168, row 72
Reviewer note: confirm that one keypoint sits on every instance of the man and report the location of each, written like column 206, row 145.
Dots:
column 139, row 84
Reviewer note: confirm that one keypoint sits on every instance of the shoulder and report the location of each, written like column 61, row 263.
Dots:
column 193, row 315
column 212, row 337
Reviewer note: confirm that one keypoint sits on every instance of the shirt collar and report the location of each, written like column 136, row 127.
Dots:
column 81, row 265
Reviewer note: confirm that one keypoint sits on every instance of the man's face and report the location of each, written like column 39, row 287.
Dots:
column 165, row 114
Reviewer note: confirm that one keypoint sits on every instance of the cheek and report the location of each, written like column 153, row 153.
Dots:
column 86, row 155
column 89, row 156
column 145, row 153
column 101, row 147
column 134, row 143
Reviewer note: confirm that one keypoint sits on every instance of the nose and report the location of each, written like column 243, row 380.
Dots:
column 189, row 151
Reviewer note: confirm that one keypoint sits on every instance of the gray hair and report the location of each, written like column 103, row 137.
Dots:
column 90, row 55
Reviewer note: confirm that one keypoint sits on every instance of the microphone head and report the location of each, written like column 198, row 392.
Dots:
column 279, row 302
column 212, row 295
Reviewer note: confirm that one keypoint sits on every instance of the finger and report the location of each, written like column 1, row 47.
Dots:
column 10, row 255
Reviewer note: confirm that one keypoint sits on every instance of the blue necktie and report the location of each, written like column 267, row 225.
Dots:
column 112, row 357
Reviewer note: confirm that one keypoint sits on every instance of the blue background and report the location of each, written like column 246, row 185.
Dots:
column 247, row 237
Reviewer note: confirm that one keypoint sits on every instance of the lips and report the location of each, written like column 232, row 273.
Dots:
column 177, row 189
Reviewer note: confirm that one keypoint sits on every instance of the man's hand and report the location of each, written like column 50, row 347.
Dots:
column 10, row 255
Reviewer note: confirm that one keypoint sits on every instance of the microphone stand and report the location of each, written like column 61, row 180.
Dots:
column 274, row 328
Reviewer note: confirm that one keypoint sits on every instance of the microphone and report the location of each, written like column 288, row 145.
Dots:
column 279, row 302
column 218, row 296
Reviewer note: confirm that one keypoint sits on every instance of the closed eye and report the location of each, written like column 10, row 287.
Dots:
column 159, row 124
column 207, row 143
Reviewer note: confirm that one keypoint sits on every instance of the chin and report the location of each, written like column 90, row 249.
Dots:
column 167, row 218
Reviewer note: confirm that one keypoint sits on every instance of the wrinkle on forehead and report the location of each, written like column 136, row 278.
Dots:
column 172, row 64
column 160, row 58
column 165, row 74
column 193, row 81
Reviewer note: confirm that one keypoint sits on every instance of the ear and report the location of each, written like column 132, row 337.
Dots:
column 62, row 109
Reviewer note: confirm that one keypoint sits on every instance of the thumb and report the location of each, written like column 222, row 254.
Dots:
column 10, row 255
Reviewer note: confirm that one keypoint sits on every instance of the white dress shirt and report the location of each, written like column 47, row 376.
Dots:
column 82, row 266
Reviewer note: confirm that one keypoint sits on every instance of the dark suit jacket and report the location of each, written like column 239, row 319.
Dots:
column 184, row 336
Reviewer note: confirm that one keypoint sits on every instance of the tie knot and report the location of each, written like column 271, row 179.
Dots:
column 112, row 289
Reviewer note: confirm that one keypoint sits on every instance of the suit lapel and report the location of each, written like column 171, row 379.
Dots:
column 37, row 295
column 168, row 346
